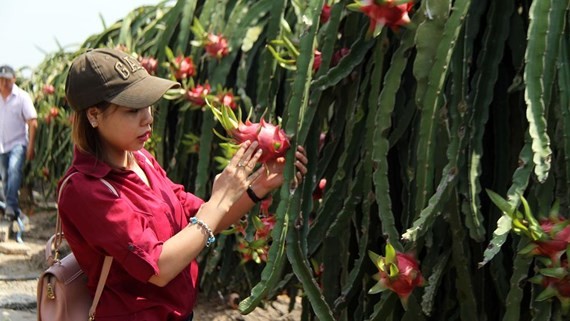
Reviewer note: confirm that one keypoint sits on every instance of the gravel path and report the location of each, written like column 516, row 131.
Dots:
column 18, row 280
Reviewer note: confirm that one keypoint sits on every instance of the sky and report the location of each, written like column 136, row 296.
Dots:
column 32, row 28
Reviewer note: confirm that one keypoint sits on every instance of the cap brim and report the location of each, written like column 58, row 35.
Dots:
column 143, row 93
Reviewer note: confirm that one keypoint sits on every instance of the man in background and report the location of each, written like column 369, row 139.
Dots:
column 18, row 124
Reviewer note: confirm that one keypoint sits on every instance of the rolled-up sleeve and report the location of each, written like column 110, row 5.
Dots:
column 29, row 111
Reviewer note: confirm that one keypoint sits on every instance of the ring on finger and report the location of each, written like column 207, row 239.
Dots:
column 240, row 164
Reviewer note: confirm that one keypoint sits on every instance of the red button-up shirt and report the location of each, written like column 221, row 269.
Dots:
column 132, row 228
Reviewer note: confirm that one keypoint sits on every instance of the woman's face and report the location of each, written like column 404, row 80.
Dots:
column 121, row 129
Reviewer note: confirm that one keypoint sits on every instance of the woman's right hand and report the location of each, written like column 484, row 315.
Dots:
column 233, row 181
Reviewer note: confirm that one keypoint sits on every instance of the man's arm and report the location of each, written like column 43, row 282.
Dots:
column 32, row 127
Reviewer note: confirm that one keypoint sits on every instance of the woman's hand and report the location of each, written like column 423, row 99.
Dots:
column 232, row 182
column 270, row 176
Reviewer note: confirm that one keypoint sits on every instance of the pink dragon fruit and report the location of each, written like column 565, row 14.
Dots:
column 245, row 131
column 227, row 98
column 183, row 68
column 149, row 63
column 317, row 60
column 197, row 95
column 265, row 205
column 216, row 46
column 264, row 226
column 325, row 13
column 48, row 89
column 338, row 55
column 560, row 239
column 554, row 244
column 320, row 189
column 555, row 281
column 272, row 140
column 397, row 272
column 384, row 13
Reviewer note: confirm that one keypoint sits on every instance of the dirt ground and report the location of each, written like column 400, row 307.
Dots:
column 19, row 272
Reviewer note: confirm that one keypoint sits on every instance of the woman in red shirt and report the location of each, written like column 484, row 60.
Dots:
column 151, row 227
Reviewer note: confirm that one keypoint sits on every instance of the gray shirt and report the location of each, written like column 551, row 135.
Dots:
column 15, row 111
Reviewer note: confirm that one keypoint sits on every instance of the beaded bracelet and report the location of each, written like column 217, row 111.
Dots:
column 211, row 238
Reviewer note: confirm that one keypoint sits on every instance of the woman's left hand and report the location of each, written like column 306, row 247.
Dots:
column 271, row 175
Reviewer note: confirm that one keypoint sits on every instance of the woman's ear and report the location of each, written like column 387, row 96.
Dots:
column 92, row 115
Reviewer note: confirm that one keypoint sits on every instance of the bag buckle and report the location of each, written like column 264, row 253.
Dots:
column 50, row 291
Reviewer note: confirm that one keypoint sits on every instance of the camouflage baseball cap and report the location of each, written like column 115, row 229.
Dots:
column 113, row 76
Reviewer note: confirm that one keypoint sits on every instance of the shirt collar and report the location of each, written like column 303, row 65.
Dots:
column 88, row 164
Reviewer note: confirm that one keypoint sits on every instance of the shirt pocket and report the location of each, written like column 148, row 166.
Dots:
column 159, row 218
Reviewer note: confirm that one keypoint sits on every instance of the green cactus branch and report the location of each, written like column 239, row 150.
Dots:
column 484, row 82
column 534, row 94
column 521, row 178
column 427, row 40
column 386, row 103
column 521, row 265
column 432, row 101
column 564, row 92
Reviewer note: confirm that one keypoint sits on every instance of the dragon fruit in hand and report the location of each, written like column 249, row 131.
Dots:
column 272, row 139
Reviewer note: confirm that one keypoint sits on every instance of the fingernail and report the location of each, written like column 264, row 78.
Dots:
column 259, row 151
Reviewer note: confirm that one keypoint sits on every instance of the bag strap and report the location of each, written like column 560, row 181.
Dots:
column 108, row 259
column 100, row 285
column 58, row 236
